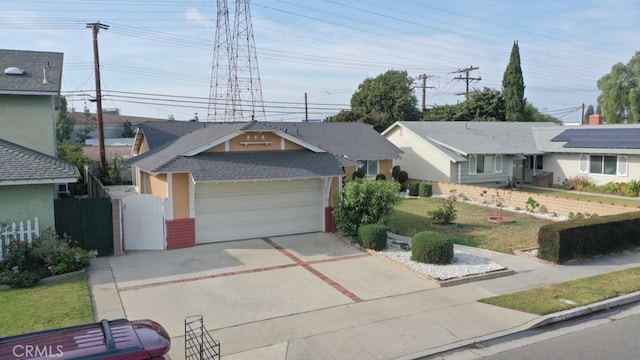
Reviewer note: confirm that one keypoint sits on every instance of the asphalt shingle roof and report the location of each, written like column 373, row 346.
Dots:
column 256, row 165
column 18, row 163
column 481, row 137
column 32, row 63
column 161, row 132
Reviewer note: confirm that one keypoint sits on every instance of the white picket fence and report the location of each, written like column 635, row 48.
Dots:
column 22, row 231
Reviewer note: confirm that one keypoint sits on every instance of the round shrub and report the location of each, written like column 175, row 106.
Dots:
column 403, row 176
column 357, row 175
column 394, row 172
column 373, row 236
column 381, row 177
column 431, row 248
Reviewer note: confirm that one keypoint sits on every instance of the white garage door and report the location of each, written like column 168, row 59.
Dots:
column 233, row 211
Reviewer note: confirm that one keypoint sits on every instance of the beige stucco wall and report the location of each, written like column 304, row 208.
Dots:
column 29, row 121
column 180, row 195
column 157, row 185
column 420, row 160
column 565, row 166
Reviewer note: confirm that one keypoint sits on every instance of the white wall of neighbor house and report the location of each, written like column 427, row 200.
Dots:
column 566, row 166
column 420, row 160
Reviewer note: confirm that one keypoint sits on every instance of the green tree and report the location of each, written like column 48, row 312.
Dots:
column 128, row 130
column 483, row 105
column 532, row 114
column 64, row 121
column 88, row 125
column 513, row 87
column 590, row 111
column 365, row 202
column 386, row 98
column 620, row 97
column 74, row 154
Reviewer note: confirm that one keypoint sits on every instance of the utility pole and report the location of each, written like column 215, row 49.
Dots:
column 306, row 109
column 582, row 118
column 424, row 86
column 95, row 28
column 466, row 78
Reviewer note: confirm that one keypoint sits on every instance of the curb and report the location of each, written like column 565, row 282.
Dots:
column 533, row 324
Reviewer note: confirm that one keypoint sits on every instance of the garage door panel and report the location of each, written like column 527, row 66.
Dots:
column 231, row 211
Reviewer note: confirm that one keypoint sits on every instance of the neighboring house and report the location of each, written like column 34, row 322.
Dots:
column 466, row 152
column 112, row 123
column 230, row 181
column 498, row 152
column 29, row 168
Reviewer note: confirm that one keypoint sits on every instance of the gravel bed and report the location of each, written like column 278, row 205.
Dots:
column 463, row 264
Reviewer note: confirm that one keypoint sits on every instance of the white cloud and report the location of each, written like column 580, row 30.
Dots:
column 199, row 18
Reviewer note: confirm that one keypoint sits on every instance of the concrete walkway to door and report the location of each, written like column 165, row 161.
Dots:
column 313, row 296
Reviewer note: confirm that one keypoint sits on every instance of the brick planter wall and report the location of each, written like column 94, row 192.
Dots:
column 181, row 233
column 549, row 204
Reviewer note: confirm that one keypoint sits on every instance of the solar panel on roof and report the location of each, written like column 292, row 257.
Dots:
column 599, row 138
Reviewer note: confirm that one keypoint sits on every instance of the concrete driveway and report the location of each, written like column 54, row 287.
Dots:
column 307, row 280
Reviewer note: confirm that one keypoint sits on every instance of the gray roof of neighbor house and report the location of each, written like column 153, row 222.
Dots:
column 21, row 165
column 32, row 80
column 348, row 142
column 256, row 165
column 461, row 138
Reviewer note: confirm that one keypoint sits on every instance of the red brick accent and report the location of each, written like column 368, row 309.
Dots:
column 329, row 221
column 595, row 119
column 181, row 233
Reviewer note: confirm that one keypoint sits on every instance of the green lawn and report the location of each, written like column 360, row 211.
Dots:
column 619, row 200
column 57, row 304
column 546, row 300
column 472, row 227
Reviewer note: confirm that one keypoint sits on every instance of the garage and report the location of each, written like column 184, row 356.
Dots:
column 243, row 210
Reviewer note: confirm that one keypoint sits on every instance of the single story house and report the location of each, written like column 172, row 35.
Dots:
column 499, row 152
column 230, row 181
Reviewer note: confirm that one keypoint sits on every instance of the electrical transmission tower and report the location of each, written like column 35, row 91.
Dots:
column 236, row 92
column 219, row 91
column 466, row 78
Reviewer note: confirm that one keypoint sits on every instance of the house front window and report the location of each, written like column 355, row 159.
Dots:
column 485, row 164
column 370, row 168
column 537, row 160
column 604, row 164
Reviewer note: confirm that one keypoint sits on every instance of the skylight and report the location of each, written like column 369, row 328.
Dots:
column 13, row 71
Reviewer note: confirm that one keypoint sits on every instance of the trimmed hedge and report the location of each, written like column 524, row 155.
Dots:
column 414, row 188
column 373, row 236
column 563, row 241
column 426, row 190
column 431, row 248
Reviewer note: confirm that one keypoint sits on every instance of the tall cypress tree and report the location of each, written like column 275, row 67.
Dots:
column 513, row 87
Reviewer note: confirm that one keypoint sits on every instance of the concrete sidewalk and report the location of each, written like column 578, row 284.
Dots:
column 397, row 324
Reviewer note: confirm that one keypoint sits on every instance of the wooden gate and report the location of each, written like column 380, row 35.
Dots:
column 143, row 222
column 88, row 221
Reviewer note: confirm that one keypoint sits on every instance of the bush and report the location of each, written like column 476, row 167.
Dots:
column 71, row 259
column 578, row 182
column 381, row 177
column 431, row 248
column 425, row 190
column 365, row 202
column 373, row 236
column 446, row 212
column 403, row 176
column 357, row 175
column 19, row 279
column 563, row 241
column 394, row 172
column 23, row 256
column 414, row 188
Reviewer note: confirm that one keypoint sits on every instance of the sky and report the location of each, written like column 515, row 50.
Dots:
column 156, row 57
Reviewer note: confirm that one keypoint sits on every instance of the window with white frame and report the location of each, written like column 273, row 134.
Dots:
column 604, row 164
column 369, row 168
column 485, row 164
